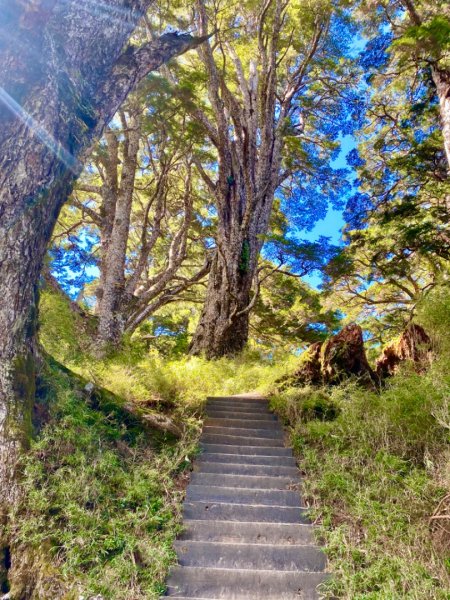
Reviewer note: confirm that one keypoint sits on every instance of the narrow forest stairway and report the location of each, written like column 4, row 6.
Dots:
column 246, row 534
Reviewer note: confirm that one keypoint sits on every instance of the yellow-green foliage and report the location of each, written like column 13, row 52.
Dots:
column 141, row 375
column 376, row 473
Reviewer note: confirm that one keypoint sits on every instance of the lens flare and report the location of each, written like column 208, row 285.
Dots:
column 42, row 134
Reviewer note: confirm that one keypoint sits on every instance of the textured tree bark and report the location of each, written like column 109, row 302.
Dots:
column 63, row 75
column 441, row 78
column 224, row 322
column 111, row 322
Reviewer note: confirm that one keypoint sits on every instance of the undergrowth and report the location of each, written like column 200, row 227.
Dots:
column 102, row 491
column 101, row 497
column 377, row 467
column 142, row 375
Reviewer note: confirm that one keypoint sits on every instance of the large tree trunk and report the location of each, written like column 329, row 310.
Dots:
column 224, row 322
column 63, row 74
column 248, row 131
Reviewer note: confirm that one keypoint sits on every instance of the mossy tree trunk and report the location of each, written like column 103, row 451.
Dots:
column 64, row 73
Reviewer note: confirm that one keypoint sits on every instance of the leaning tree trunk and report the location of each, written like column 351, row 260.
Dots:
column 63, row 75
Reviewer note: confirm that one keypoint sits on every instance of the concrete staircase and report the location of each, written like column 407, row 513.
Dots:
column 246, row 535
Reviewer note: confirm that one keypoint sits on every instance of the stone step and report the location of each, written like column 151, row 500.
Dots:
column 241, row 399
column 248, row 513
column 224, row 468
column 239, row 440
column 206, row 493
column 241, row 416
column 247, row 423
column 245, row 406
column 275, row 432
column 249, row 556
column 247, row 450
column 250, row 533
column 242, row 584
column 250, row 496
column 279, row 482
column 245, row 459
column 245, row 417
column 236, row 412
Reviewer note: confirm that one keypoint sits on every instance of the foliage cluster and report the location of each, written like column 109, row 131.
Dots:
column 396, row 244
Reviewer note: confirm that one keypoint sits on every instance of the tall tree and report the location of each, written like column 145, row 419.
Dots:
column 138, row 196
column 272, row 78
column 64, row 72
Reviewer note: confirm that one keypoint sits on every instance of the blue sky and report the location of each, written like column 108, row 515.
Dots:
column 332, row 225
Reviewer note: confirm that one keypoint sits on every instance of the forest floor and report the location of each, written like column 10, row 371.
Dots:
column 104, row 491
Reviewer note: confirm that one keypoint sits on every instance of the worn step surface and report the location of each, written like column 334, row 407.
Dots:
column 236, row 409
column 230, row 495
column 244, row 419
column 246, row 459
column 239, row 441
column 243, row 584
column 209, row 448
column 250, row 556
column 262, row 482
column 244, row 513
column 243, row 432
column 230, row 468
column 247, row 534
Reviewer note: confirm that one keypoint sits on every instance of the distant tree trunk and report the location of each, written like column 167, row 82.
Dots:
column 63, row 75
column 111, row 322
column 441, row 78
column 132, row 285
